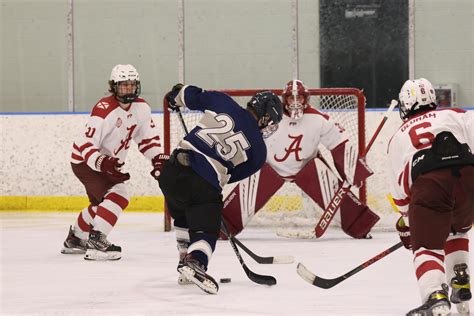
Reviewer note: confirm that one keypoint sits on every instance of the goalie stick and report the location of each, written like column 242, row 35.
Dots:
column 323, row 283
column 344, row 188
column 257, row 278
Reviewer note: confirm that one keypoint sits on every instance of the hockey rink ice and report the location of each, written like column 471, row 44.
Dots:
column 36, row 279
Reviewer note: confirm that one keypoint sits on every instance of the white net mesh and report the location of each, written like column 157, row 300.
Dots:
column 289, row 208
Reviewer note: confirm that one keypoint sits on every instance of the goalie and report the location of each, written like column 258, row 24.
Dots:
column 293, row 155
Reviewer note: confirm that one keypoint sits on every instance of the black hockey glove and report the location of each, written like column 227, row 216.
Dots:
column 171, row 96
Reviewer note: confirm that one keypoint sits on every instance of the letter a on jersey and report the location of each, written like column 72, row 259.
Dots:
column 295, row 147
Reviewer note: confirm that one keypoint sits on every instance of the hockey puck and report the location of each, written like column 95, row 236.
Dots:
column 225, row 280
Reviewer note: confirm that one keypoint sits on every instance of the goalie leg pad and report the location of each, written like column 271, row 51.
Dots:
column 248, row 197
column 320, row 183
column 356, row 218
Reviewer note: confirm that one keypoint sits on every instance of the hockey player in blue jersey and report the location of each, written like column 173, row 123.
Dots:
column 226, row 146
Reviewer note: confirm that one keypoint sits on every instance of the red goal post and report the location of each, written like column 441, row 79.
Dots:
column 345, row 106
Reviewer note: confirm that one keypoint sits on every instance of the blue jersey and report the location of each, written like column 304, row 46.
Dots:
column 226, row 145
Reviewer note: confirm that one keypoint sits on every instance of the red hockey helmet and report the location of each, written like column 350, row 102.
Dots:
column 296, row 89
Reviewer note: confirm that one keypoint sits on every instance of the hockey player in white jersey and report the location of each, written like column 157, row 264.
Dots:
column 432, row 179
column 292, row 155
column 97, row 157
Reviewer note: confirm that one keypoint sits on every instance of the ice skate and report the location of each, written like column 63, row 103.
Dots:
column 436, row 305
column 99, row 248
column 183, row 251
column 73, row 244
column 194, row 271
column 461, row 289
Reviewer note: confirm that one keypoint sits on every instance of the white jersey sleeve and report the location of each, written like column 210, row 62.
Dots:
column 86, row 148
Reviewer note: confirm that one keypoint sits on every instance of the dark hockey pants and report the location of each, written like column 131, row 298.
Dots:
column 442, row 201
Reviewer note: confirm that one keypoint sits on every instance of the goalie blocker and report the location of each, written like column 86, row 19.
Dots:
column 316, row 179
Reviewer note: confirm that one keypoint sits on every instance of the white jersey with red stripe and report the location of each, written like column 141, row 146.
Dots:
column 295, row 142
column 110, row 129
column 418, row 133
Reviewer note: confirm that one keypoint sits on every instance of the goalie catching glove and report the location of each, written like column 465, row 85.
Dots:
column 158, row 162
column 403, row 232
column 174, row 97
column 111, row 166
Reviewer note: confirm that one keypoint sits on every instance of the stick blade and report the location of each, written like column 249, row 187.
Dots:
column 260, row 279
column 283, row 259
column 313, row 279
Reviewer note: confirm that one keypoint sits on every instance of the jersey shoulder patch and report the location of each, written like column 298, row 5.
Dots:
column 105, row 106
column 310, row 110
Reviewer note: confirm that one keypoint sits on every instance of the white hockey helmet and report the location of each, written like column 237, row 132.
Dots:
column 122, row 73
column 416, row 95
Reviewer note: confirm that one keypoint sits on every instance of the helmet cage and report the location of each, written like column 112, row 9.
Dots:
column 295, row 88
column 127, row 98
column 124, row 73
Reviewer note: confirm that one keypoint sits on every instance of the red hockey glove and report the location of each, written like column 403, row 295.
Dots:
column 403, row 232
column 111, row 166
column 171, row 96
column 158, row 162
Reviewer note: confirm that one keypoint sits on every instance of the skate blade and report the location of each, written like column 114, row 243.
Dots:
column 182, row 280
column 206, row 285
column 72, row 251
column 97, row 255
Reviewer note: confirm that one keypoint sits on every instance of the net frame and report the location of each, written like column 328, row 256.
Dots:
column 356, row 93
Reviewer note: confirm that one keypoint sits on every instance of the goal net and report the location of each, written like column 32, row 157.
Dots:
column 289, row 208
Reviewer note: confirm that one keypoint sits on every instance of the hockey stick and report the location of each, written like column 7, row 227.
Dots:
column 257, row 278
column 310, row 277
column 259, row 259
column 264, row 260
column 344, row 188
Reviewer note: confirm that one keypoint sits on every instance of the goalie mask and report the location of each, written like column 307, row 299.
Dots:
column 267, row 106
column 295, row 98
column 416, row 96
column 121, row 75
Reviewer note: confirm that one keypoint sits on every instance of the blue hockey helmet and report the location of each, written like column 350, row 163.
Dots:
column 268, row 108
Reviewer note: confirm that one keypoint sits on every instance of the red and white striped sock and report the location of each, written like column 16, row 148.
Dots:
column 429, row 268
column 85, row 218
column 108, row 212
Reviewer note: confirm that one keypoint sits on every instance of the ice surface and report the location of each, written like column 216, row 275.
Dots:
column 37, row 279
